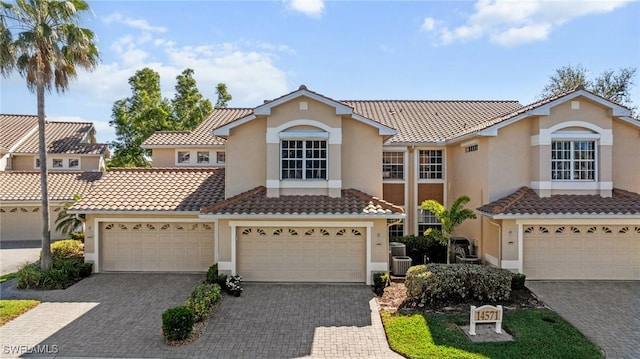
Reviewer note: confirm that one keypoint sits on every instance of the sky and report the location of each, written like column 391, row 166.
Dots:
column 346, row 50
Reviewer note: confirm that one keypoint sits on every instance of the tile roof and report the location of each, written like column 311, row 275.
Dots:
column 430, row 121
column 256, row 202
column 155, row 189
column 15, row 127
column 25, row 185
column 201, row 135
column 526, row 202
column 64, row 137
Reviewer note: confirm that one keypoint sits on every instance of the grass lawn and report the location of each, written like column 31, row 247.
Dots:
column 11, row 309
column 538, row 333
column 6, row 277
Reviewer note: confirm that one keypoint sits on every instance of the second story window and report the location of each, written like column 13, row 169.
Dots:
column 393, row 165
column 431, row 164
column 74, row 163
column 203, row 157
column 573, row 160
column 303, row 159
column 220, row 157
column 184, row 156
column 427, row 220
column 58, row 163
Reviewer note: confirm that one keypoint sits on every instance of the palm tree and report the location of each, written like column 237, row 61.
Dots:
column 449, row 218
column 43, row 41
column 67, row 223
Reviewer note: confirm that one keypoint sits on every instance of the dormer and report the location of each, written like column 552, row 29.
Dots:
column 304, row 144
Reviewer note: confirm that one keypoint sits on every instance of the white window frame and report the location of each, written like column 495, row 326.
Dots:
column 304, row 159
column 208, row 154
column 182, row 163
column 224, row 155
column 434, row 221
column 402, row 164
column 69, row 163
column 572, row 160
column 442, row 170
column 402, row 224
column 53, row 163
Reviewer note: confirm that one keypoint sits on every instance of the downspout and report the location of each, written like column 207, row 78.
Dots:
column 499, row 242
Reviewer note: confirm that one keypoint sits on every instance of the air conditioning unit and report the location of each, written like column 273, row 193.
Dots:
column 396, row 249
column 400, row 265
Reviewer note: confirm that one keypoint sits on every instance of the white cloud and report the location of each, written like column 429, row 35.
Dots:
column 311, row 8
column 512, row 23
column 428, row 24
column 140, row 24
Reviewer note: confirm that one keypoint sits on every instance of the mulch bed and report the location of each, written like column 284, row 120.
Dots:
column 395, row 299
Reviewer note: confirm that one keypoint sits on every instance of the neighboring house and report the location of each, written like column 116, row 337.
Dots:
column 75, row 162
column 307, row 188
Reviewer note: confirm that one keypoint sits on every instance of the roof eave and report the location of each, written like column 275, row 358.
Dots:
column 304, row 216
column 559, row 216
column 150, row 147
column 101, row 211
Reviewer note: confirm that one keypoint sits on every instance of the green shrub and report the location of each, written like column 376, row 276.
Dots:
column 212, row 273
column 517, row 281
column 222, row 282
column 68, row 248
column 380, row 282
column 457, row 283
column 177, row 323
column 54, row 279
column 78, row 236
column 419, row 246
column 29, row 276
column 202, row 300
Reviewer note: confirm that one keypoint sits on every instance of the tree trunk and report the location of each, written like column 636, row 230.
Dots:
column 46, row 262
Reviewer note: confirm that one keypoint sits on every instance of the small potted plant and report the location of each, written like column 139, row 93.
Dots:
column 234, row 286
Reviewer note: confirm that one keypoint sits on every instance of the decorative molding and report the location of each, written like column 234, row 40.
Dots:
column 571, row 185
column 334, row 134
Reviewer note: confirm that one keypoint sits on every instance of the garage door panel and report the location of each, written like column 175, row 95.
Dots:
column 582, row 252
column 301, row 254
column 156, row 246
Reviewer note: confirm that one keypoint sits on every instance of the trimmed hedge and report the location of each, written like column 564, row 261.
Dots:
column 419, row 246
column 65, row 272
column 455, row 283
column 177, row 323
column 68, row 248
column 202, row 300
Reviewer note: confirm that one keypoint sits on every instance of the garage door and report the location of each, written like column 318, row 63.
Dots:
column 582, row 252
column 24, row 223
column 164, row 247
column 302, row 254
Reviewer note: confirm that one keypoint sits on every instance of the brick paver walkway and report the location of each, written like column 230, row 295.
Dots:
column 604, row 311
column 118, row 315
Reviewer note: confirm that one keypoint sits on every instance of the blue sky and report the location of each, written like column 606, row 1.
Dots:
column 486, row 49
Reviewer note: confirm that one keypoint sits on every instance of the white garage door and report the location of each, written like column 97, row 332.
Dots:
column 302, row 254
column 582, row 252
column 164, row 247
column 25, row 223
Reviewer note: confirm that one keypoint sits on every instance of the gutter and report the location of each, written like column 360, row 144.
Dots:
column 303, row 216
column 186, row 213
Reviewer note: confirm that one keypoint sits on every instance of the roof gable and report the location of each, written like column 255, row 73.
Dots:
column 340, row 109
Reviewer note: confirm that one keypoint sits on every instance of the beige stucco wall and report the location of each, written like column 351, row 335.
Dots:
column 90, row 163
column 163, row 157
column 588, row 112
column 509, row 166
column 27, row 162
column 626, row 157
column 23, row 163
column 316, row 111
column 361, row 158
column 246, row 157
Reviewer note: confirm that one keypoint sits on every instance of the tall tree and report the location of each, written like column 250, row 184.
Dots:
column 47, row 47
column 189, row 106
column 612, row 85
column 223, row 95
column 137, row 117
column 449, row 219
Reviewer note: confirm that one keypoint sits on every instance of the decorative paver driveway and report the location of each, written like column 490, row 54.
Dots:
column 605, row 311
column 118, row 315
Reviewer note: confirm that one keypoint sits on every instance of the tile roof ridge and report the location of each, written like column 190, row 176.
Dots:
column 231, row 108
column 362, row 195
column 70, row 122
column 257, row 191
column 426, row 100
column 624, row 193
column 165, row 169
column 513, row 199
column 172, row 131
column 17, row 114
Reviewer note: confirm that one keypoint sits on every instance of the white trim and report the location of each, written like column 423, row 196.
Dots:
column 96, row 245
column 507, row 264
column 182, row 145
column 225, row 266
column 90, row 257
column 491, row 259
column 379, row 267
column 108, row 212
column 367, row 270
column 234, row 248
column 310, row 183
column 292, row 135
column 571, row 185
column 216, row 241
column 223, row 131
column 394, row 148
column 546, row 135
column 298, row 224
column 334, row 133
column 269, row 217
column 520, row 247
column 577, row 221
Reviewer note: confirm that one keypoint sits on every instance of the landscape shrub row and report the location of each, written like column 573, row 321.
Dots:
column 420, row 246
column 68, row 268
column 455, row 283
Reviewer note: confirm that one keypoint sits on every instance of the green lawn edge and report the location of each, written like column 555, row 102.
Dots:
column 8, row 276
column 538, row 333
column 11, row 309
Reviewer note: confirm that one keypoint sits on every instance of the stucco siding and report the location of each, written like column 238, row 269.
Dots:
column 246, row 162
column 510, row 160
column 163, row 157
column 23, row 163
column 626, row 157
column 316, row 111
column 588, row 112
column 361, row 158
